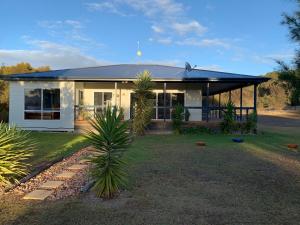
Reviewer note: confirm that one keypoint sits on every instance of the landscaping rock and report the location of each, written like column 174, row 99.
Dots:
column 201, row 143
column 293, row 146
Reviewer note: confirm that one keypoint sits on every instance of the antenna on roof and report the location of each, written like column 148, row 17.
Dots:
column 188, row 67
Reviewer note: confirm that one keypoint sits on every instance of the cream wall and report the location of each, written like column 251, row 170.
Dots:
column 121, row 96
column 16, row 106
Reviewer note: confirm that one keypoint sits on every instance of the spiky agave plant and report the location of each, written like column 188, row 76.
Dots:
column 16, row 147
column 111, row 138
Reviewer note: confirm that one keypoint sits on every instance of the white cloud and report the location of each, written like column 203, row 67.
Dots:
column 270, row 59
column 105, row 6
column 56, row 24
column 204, row 42
column 189, row 27
column 69, row 31
column 166, row 41
column 166, row 16
column 44, row 53
column 157, row 29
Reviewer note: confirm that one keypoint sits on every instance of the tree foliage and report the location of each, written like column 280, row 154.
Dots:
column 291, row 74
column 144, row 100
column 8, row 70
column 110, row 137
column 16, row 146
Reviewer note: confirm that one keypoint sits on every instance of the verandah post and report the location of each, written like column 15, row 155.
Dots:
column 116, row 88
column 255, row 97
column 207, row 102
column 165, row 100
column 219, row 105
column 241, row 103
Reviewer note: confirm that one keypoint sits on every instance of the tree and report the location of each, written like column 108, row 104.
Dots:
column 291, row 74
column 144, row 100
column 111, row 138
column 7, row 70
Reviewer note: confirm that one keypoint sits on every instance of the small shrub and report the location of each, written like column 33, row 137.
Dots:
column 177, row 118
column 228, row 125
column 16, row 147
column 111, row 138
column 250, row 126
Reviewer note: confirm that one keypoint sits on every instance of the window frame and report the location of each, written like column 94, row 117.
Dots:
column 42, row 111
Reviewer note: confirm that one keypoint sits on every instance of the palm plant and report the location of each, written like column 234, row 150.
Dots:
column 110, row 138
column 144, row 99
column 16, row 147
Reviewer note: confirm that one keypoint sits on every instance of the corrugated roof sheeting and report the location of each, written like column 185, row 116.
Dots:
column 129, row 72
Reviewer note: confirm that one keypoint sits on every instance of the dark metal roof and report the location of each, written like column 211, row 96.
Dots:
column 129, row 72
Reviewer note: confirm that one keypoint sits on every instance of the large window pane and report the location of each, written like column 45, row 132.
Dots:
column 32, row 115
column 32, row 99
column 51, row 99
column 161, row 99
column 107, row 98
column 97, row 98
column 177, row 98
column 161, row 113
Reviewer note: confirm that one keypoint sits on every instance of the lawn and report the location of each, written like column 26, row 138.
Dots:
column 172, row 181
column 51, row 146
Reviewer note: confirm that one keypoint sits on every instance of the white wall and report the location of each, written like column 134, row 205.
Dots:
column 16, row 106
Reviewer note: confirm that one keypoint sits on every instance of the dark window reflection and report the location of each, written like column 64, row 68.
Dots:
column 32, row 115
column 51, row 99
column 51, row 115
column 33, row 99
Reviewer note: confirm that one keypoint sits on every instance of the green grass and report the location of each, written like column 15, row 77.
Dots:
column 173, row 181
column 51, row 146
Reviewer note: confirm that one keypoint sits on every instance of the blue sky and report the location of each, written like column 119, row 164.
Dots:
column 232, row 35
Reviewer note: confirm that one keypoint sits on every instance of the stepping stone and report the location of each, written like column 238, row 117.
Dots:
column 51, row 184
column 38, row 195
column 77, row 167
column 65, row 175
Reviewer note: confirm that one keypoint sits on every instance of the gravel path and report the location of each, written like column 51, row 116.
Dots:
column 70, row 187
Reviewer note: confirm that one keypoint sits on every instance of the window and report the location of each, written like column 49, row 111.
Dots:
column 172, row 99
column 102, row 100
column 42, row 104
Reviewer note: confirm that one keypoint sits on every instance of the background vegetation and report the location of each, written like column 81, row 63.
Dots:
column 14, row 69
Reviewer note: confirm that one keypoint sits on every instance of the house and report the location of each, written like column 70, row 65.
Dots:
column 55, row 100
